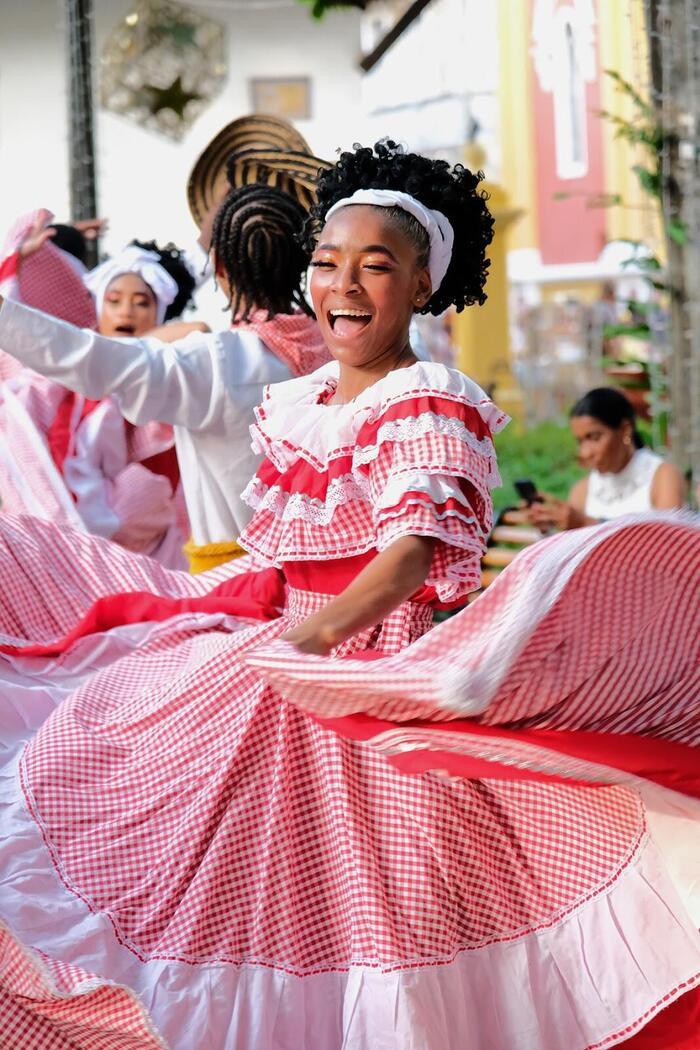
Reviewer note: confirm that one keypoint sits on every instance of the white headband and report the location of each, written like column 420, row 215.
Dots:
column 437, row 226
column 139, row 261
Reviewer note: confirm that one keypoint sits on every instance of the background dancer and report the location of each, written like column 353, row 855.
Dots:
column 307, row 892
column 206, row 385
column 73, row 459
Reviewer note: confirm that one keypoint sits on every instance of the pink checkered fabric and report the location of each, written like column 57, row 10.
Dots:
column 188, row 791
column 51, row 576
column 596, row 632
column 46, row 280
column 294, row 338
column 322, row 851
column 340, row 480
column 47, row 1005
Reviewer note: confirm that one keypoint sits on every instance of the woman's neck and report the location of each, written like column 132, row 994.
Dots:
column 627, row 455
column 352, row 381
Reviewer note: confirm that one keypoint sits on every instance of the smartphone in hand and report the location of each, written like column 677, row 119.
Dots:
column 527, row 490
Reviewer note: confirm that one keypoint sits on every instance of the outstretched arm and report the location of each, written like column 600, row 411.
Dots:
column 151, row 380
column 390, row 579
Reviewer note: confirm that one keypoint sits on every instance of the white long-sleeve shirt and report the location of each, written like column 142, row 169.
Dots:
column 206, row 386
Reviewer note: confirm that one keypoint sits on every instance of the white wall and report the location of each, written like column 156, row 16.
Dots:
column 442, row 71
column 142, row 175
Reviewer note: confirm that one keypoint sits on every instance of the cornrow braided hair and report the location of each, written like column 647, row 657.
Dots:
column 453, row 191
column 256, row 241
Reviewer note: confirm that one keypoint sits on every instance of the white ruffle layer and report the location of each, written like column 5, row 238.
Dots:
column 299, row 427
column 595, row 976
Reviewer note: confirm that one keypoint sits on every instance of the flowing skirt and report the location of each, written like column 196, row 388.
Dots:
column 211, row 841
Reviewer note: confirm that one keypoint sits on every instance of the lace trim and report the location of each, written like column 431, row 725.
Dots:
column 396, row 513
column 297, row 506
column 400, row 430
column 283, row 447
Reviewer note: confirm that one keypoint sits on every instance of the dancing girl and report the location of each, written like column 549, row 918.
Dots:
column 207, row 817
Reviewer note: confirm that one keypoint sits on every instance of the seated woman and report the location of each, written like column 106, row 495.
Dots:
column 188, row 825
column 624, row 476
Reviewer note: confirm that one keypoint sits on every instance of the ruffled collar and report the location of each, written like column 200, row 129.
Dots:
column 295, row 420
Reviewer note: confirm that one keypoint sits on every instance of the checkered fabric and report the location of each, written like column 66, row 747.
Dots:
column 422, row 462
column 294, row 338
column 188, row 791
column 51, row 576
column 46, row 280
column 47, row 1005
column 594, row 632
column 212, row 821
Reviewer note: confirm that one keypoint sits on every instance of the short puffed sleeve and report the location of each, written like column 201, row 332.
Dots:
column 429, row 462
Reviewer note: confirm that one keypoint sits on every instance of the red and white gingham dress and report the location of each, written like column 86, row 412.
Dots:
column 187, row 825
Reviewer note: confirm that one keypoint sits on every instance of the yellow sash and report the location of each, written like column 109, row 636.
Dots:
column 209, row 555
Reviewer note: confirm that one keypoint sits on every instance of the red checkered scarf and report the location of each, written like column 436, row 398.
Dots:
column 294, row 338
column 46, row 279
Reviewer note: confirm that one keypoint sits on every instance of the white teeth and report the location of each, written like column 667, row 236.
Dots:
column 348, row 313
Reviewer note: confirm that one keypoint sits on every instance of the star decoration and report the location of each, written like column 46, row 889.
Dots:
column 173, row 97
column 162, row 64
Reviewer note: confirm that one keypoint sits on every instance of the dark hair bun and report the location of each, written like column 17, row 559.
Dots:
column 452, row 190
column 171, row 258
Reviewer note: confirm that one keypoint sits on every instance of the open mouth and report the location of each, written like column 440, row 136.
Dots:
column 125, row 329
column 348, row 323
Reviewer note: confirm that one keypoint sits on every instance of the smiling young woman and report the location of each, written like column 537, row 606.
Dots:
column 219, row 816
column 625, row 477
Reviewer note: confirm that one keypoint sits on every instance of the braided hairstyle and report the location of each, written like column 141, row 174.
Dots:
column 453, row 191
column 171, row 258
column 256, row 241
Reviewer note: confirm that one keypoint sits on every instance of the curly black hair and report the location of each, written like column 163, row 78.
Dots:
column 256, row 240
column 453, row 191
column 171, row 258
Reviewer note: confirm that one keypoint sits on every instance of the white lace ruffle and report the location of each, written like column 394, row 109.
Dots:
column 293, row 422
column 297, row 506
column 412, row 427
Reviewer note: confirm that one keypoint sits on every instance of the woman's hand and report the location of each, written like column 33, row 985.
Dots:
column 389, row 579
column 548, row 514
column 310, row 636
column 35, row 239
column 91, row 229
column 175, row 330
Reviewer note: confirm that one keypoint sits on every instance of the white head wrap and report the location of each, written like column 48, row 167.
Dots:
column 139, row 261
column 437, row 226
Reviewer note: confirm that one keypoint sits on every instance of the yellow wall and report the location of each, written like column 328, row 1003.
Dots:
column 481, row 333
column 517, row 121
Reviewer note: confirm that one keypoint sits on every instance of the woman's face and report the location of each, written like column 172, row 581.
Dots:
column 128, row 308
column 602, row 448
column 365, row 286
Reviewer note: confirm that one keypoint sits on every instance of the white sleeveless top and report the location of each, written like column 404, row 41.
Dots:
column 629, row 492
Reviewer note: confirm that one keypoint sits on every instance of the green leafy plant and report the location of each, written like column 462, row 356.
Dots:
column 545, row 453
column 320, row 7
